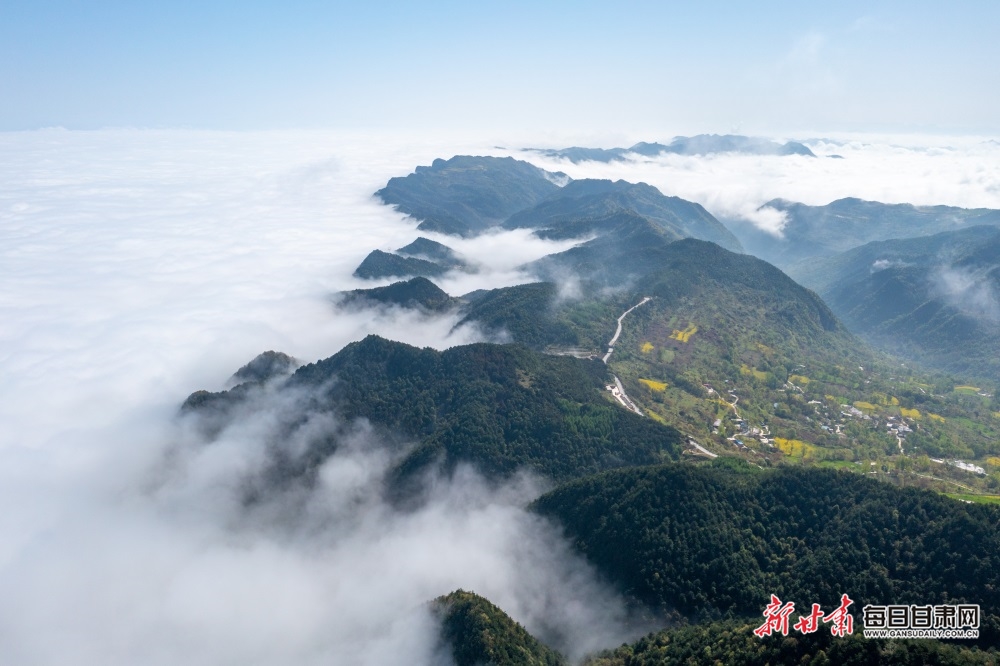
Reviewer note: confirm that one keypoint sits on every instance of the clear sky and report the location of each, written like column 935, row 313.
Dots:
column 753, row 67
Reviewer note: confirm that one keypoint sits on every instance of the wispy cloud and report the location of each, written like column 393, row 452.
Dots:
column 970, row 291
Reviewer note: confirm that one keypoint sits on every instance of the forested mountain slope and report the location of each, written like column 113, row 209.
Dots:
column 719, row 539
column 935, row 299
column 477, row 633
column 500, row 408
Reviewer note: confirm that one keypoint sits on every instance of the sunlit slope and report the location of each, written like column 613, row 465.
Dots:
column 735, row 353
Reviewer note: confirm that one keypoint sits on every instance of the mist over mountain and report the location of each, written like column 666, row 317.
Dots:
column 310, row 508
column 418, row 292
column 810, row 232
column 499, row 408
column 475, row 194
column 439, row 253
column 379, row 264
column 584, row 206
column 702, row 144
column 467, row 195
column 933, row 299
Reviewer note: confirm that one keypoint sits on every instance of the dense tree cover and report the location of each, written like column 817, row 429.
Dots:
column 732, row 643
column 498, row 407
column 466, row 195
column 418, row 292
column 756, row 330
column 574, row 210
column 477, row 633
column 719, row 539
column 755, row 294
column 528, row 313
column 379, row 264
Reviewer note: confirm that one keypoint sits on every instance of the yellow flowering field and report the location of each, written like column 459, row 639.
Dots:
column 654, row 385
column 685, row 335
column 794, row 447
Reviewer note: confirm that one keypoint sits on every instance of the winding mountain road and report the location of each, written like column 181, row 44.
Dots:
column 617, row 390
column 611, row 344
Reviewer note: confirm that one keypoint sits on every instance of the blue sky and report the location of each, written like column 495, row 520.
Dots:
column 764, row 67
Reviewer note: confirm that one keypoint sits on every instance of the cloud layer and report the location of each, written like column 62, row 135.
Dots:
column 891, row 169
column 139, row 266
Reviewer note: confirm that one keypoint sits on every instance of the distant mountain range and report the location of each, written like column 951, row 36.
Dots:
column 702, row 144
column 822, row 231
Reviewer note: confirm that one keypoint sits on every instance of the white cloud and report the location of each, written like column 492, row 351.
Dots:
column 891, row 169
column 142, row 265
column 969, row 291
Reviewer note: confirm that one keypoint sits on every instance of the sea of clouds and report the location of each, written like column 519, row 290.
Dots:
column 140, row 265
column 921, row 170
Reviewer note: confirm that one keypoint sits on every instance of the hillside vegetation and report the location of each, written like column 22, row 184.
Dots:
column 718, row 540
column 477, row 633
column 500, row 408
column 934, row 300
